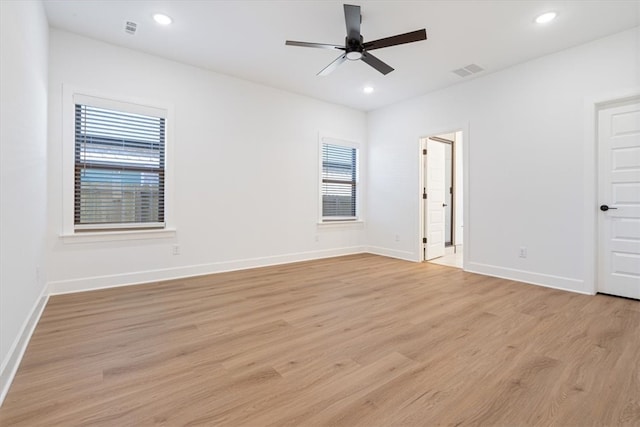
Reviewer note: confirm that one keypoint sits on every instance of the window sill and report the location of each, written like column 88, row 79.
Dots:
column 113, row 236
column 341, row 223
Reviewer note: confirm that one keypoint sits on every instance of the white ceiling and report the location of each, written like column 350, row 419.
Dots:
column 246, row 38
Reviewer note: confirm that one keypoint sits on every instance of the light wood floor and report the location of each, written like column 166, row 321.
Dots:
column 351, row 341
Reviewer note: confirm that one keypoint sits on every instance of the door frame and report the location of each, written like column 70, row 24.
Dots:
column 592, row 108
column 464, row 145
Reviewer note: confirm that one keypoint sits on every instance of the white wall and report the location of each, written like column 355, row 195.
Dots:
column 245, row 163
column 23, row 168
column 526, row 161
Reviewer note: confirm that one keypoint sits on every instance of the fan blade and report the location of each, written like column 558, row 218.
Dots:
column 318, row 45
column 376, row 63
column 414, row 36
column 352, row 19
column 329, row 68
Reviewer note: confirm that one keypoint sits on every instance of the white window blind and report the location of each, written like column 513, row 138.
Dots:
column 119, row 169
column 339, row 178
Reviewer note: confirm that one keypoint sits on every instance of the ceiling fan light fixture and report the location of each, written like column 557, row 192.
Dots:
column 162, row 19
column 546, row 17
column 354, row 55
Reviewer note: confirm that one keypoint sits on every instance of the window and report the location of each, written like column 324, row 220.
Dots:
column 119, row 180
column 339, row 182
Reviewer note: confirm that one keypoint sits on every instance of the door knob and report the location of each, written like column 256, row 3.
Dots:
column 444, row 205
column 605, row 208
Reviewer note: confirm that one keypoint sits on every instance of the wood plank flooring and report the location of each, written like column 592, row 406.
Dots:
column 360, row 340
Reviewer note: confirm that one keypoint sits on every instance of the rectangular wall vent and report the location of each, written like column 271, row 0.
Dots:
column 474, row 68
column 468, row 70
column 461, row 72
column 130, row 27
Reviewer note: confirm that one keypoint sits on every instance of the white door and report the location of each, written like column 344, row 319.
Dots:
column 619, row 199
column 434, row 175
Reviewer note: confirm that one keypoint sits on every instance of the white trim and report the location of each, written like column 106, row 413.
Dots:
column 393, row 253
column 591, row 107
column 356, row 223
column 69, row 93
column 332, row 140
column 546, row 280
column 108, row 103
column 12, row 361
column 136, row 278
column 121, row 226
column 120, row 235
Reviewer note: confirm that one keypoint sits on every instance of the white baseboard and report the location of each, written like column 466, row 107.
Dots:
column 546, row 280
column 12, row 361
column 392, row 253
column 137, row 278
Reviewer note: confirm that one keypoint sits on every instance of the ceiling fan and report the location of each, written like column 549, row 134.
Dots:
column 354, row 48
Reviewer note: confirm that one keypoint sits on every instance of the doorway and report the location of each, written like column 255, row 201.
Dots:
column 442, row 198
column 618, row 151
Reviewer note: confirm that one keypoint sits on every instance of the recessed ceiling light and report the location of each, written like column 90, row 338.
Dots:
column 546, row 17
column 162, row 19
column 367, row 89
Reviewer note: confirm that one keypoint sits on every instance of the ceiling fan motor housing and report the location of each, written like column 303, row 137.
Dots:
column 354, row 48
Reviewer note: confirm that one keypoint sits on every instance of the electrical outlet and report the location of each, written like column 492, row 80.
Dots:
column 317, row 238
column 175, row 249
column 397, row 237
column 523, row 252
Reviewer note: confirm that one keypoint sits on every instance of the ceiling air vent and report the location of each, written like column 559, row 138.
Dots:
column 468, row 70
column 130, row 27
column 462, row 72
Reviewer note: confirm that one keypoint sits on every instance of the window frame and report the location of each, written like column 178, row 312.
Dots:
column 72, row 234
column 325, row 139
